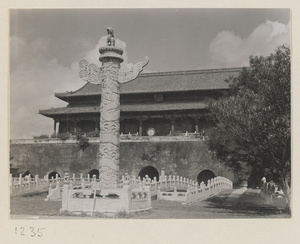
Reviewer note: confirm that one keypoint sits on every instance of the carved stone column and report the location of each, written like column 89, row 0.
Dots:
column 173, row 125
column 197, row 125
column 110, row 116
column 75, row 125
column 96, row 125
column 140, row 127
column 55, row 126
column 109, row 76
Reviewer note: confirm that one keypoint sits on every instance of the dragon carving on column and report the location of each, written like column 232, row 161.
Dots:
column 109, row 76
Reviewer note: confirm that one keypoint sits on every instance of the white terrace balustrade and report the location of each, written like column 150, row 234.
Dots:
column 132, row 194
column 123, row 138
column 176, row 188
column 81, row 183
column 90, row 198
column 172, row 188
column 270, row 192
column 20, row 185
column 178, row 196
column 213, row 186
column 165, row 182
column 170, row 137
column 187, row 191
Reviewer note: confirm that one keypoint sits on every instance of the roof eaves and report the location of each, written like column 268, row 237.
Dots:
column 69, row 93
column 65, row 95
column 236, row 69
column 183, row 90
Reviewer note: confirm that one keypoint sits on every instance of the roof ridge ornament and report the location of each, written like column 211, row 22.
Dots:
column 94, row 74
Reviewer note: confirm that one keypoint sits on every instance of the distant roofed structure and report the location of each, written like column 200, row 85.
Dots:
column 168, row 102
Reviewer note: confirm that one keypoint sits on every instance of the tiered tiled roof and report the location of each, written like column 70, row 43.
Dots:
column 126, row 108
column 178, row 81
column 165, row 82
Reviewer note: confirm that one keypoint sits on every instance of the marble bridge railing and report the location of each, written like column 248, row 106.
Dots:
column 123, row 138
column 132, row 193
column 85, row 195
column 198, row 192
column 20, row 185
column 177, row 188
column 271, row 192
column 172, row 188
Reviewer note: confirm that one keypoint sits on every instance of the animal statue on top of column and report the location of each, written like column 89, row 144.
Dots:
column 94, row 74
column 110, row 37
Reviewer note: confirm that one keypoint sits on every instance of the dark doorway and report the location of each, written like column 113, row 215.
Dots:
column 129, row 125
column 205, row 175
column 86, row 125
column 184, row 125
column 64, row 126
column 53, row 174
column 26, row 173
column 94, row 172
column 150, row 171
column 161, row 126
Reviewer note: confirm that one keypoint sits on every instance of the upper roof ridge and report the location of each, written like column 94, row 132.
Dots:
column 71, row 92
column 205, row 79
column 196, row 71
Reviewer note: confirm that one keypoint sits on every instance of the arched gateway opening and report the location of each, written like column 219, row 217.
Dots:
column 53, row 174
column 94, row 172
column 205, row 175
column 150, row 171
column 26, row 173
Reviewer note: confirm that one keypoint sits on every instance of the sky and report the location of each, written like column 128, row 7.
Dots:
column 46, row 46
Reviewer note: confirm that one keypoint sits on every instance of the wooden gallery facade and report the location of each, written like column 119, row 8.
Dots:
column 168, row 102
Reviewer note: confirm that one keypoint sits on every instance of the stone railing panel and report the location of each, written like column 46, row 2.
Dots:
column 213, row 186
column 78, row 198
column 270, row 192
column 20, row 185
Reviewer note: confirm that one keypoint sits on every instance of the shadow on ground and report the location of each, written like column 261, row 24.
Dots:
column 248, row 204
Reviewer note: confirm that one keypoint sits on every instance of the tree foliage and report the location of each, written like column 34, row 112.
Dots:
column 253, row 120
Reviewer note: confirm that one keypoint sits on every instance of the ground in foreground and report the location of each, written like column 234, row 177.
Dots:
column 222, row 205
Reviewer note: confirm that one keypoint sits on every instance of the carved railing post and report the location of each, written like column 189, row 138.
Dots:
column 147, row 188
column 37, row 181
column 82, row 181
column 65, row 196
column 126, row 199
column 158, row 193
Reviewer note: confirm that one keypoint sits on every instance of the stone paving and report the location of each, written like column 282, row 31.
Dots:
column 240, row 203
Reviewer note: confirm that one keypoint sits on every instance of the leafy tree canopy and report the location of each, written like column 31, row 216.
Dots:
column 253, row 119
